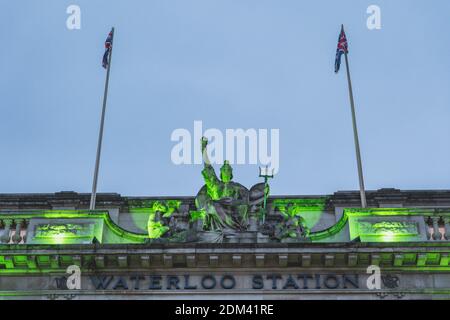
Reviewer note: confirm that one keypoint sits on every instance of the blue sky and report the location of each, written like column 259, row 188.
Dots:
column 232, row 64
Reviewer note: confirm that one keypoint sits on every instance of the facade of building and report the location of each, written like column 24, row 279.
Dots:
column 280, row 247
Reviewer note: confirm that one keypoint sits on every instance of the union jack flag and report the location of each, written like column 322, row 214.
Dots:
column 342, row 48
column 108, row 46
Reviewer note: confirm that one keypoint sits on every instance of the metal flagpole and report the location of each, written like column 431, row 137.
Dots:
column 100, row 134
column 355, row 135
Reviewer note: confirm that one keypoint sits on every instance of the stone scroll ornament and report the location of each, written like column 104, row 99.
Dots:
column 223, row 204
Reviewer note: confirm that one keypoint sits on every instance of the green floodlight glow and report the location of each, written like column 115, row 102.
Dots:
column 155, row 228
column 143, row 214
column 389, row 236
column 59, row 238
column 388, row 224
column 112, row 230
column 309, row 209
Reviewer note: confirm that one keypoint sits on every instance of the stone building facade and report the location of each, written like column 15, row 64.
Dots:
column 303, row 247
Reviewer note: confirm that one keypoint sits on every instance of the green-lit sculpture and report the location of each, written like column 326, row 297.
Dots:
column 225, row 204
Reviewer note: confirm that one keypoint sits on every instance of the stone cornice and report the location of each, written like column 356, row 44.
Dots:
column 19, row 259
column 340, row 198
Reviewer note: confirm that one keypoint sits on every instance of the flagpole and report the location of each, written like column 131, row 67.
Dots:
column 355, row 135
column 100, row 134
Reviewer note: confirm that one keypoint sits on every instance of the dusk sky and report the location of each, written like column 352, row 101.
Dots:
column 231, row 64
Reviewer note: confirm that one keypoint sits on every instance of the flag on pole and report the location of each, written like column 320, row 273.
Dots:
column 342, row 48
column 108, row 45
column 107, row 65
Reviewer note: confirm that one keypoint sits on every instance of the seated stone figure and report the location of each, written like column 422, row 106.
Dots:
column 226, row 203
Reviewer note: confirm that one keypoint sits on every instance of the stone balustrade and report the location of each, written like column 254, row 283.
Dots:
column 438, row 228
column 431, row 225
column 13, row 231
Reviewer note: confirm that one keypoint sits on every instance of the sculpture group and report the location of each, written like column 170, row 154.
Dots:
column 226, row 211
column 227, row 204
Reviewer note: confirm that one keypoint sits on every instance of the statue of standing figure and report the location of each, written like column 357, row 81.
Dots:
column 227, row 204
